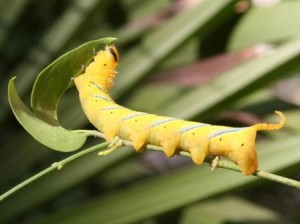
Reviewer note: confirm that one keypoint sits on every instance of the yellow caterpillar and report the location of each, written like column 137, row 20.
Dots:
column 172, row 134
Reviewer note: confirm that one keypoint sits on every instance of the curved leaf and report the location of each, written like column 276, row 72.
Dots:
column 53, row 81
column 49, row 86
column 52, row 136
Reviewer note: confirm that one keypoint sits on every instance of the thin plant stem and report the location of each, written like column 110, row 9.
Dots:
column 225, row 164
column 57, row 165
column 26, row 182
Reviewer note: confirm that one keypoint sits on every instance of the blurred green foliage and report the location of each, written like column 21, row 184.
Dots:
column 154, row 37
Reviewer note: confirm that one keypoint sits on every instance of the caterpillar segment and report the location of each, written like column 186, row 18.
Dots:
column 237, row 144
column 109, row 120
column 118, row 123
column 194, row 140
column 165, row 133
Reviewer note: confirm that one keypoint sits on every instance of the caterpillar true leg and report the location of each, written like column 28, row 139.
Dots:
column 214, row 163
column 116, row 143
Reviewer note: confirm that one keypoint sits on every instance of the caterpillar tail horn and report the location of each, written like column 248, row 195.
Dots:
column 271, row 127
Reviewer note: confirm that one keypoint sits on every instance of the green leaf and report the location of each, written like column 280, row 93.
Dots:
column 52, row 136
column 49, row 86
column 62, row 31
column 267, row 24
column 53, row 81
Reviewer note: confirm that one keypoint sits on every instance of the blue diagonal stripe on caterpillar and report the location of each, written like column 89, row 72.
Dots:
column 224, row 131
column 163, row 121
column 192, row 127
column 102, row 97
column 173, row 134
column 114, row 107
column 98, row 86
column 130, row 116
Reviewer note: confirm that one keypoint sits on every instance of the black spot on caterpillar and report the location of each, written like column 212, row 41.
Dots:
column 172, row 134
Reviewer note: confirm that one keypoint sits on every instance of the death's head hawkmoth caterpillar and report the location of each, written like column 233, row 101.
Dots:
column 172, row 134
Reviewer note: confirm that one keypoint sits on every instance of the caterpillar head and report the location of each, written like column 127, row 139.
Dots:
column 108, row 60
column 238, row 144
column 102, row 69
column 111, row 54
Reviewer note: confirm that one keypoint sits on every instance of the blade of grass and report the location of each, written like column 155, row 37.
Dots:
column 254, row 28
column 10, row 12
column 238, row 82
column 220, row 210
column 70, row 22
column 204, row 16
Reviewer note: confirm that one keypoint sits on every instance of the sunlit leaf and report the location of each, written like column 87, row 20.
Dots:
column 50, row 85
column 53, row 136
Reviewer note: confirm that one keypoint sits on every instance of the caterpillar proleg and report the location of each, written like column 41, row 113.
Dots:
column 172, row 134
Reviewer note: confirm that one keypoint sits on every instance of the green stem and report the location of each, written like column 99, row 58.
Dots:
column 26, row 182
column 225, row 164
column 278, row 179
column 54, row 166
column 221, row 164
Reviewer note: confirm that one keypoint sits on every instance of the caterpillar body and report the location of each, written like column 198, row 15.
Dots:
column 172, row 134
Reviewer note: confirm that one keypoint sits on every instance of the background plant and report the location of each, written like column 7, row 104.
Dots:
column 158, row 40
